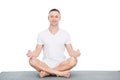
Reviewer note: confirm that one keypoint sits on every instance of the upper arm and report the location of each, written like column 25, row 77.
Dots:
column 71, row 51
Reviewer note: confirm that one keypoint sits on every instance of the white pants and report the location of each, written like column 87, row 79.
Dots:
column 52, row 63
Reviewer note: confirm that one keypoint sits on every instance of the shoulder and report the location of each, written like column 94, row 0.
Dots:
column 42, row 33
column 64, row 31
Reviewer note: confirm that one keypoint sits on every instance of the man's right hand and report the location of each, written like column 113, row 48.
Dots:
column 30, row 54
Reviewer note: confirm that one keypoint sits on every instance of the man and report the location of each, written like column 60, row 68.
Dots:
column 53, row 41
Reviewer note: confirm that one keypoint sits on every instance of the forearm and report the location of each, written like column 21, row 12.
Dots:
column 72, row 53
column 36, row 53
column 37, row 50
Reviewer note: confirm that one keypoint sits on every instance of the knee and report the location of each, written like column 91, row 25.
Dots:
column 73, row 61
column 32, row 61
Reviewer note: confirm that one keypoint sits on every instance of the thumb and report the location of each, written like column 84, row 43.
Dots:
column 29, row 50
column 78, row 51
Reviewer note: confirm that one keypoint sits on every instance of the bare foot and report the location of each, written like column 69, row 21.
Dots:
column 43, row 74
column 65, row 74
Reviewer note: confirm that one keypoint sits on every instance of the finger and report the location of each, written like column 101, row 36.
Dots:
column 29, row 50
column 78, row 51
column 29, row 55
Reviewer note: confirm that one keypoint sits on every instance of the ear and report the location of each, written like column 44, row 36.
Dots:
column 48, row 17
column 60, row 18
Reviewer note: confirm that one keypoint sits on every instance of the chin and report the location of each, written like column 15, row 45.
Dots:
column 54, row 24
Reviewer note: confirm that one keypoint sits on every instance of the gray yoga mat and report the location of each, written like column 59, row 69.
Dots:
column 75, row 75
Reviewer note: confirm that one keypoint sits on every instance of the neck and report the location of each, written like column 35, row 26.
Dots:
column 53, row 29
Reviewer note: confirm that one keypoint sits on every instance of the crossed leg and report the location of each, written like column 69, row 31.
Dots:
column 68, row 64
column 63, row 69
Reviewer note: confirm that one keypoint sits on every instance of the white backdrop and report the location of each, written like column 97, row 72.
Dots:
column 92, row 24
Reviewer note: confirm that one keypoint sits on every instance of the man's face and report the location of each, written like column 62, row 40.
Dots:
column 54, row 18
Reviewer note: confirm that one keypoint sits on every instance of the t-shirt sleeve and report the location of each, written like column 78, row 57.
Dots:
column 67, row 39
column 39, row 39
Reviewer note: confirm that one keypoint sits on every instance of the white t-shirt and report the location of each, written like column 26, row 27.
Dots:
column 54, row 46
